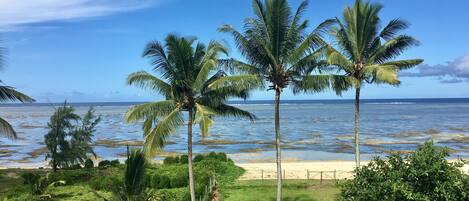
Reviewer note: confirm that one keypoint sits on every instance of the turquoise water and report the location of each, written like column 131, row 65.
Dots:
column 311, row 130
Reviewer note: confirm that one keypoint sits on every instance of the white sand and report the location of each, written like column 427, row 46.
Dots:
column 300, row 170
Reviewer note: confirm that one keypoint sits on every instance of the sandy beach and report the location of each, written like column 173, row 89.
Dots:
column 300, row 170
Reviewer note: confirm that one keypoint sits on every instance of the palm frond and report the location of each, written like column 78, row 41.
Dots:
column 230, row 111
column 242, row 82
column 146, row 110
column 6, row 129
column 382, row 74
column 236, row 66
column 392, row 28
column 8, row 93
column 393, row 48
column 404, row 64
column 134, row 177
column 156, row 138
column 203, row 117
column 147, row 81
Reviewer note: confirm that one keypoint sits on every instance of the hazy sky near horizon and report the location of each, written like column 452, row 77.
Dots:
column 82, row 51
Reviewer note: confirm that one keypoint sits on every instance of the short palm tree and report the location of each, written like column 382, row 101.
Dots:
column 279, row 51
column 366, row 54
column 9, row 94
column 190, row 83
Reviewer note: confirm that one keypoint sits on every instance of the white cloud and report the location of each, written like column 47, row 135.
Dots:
column 451, row 72
column 17, row 13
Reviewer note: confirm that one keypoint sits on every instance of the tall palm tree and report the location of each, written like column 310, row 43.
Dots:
column 279, row 51
column 367, row 54
column 9, row 94
column 190, row 83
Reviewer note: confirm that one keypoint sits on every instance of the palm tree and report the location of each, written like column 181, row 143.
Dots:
column 280, row 51
column 190, row 83
column 134, row 177
column 366, row 54
column 9, row 94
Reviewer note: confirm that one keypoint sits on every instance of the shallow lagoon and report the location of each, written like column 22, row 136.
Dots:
column 311, row 130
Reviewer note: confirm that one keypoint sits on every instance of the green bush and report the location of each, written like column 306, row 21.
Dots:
column 421, row 176
column 174, row 194
column 107, row 183
column 198, row 158
column 72, row 176
column 115, row 163
column 159, row 181
column 183, row 159
column 180, row 180
column 171, row 160
column 104, row 164
column 89, row 163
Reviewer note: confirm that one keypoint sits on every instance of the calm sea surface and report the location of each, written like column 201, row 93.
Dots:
column 311, row 130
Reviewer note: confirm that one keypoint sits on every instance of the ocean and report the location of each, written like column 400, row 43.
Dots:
column 311, row 130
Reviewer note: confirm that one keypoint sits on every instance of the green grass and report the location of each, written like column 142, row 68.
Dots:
column 293, row 190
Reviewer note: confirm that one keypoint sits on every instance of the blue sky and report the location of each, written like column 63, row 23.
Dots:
column 82, row 50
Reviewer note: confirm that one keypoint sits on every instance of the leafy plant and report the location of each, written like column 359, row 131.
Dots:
column 191, row 82
column 365, row 54
column 39, row 184
column 134, row 178
column 281, row 52
column 422, row 176
column 68, row 141
column 89, row 163
column 9, row 94
column 104, row 164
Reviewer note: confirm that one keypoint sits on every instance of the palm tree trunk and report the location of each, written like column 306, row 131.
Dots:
column 189, row 156
column 357, row 137
column 277, row 144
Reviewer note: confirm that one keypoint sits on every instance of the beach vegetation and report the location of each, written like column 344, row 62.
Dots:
column 422, row 175
column 364, row 53
column 191, row 82
column 133, row 187
column 281, row 53
column 9, row 94
column 133, row 180
column 70, row 136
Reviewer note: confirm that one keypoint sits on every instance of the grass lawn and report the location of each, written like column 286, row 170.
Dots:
column 293, row 190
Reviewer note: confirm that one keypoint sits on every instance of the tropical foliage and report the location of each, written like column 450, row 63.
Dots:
column 366, row 54
column 280, row 52
column 190, row 83
column 422, row 175
column 9, row 94
column 69, row 137
column 133, row 188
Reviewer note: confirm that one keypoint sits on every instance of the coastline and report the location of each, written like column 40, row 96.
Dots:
column 317, row 169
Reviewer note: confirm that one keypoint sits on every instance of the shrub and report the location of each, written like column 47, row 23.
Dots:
column 180, row 180
column 72, row 176
column 104, row 164
column 174, row 194
column 198, row 158
column 115, row 163
column 159, row 181
column 89, row 163
column 422, row 175
column 107, row 183
column 171, row 160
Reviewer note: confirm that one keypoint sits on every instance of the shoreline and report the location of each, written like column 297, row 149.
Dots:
column 306, row 169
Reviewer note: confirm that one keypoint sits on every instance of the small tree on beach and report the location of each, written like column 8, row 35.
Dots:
column 280, row 51
column 190, row 83
column 69, row 137
column 9, row 94
column 366, row 54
